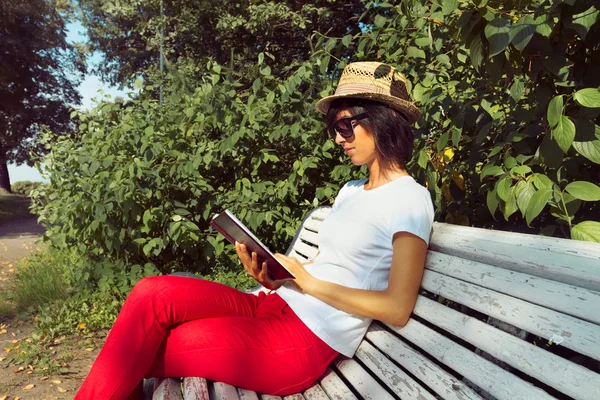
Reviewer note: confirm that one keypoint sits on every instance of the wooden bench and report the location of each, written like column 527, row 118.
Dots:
column 501, row 315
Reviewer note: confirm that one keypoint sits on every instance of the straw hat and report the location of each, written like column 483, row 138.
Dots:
column 373, row 81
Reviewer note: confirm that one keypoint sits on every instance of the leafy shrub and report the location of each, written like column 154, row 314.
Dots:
column 25, row 187
column 142, row 180
column 510, row 101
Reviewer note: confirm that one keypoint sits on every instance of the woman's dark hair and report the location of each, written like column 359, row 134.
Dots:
column 394, row 138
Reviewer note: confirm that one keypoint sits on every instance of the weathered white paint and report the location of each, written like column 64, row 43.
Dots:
column 223, row 391
column 195, row 389
column 396, row 380
column 488, row 376
column 569, row 261
column 578, row 335
column 315, row 392
column 427, row 371
column 245, row 394
column 167, row 389
column 563, row 375
column 360, row 380
column 269, row 397
column 335, row 388
column 568, row 299
column 296, row 396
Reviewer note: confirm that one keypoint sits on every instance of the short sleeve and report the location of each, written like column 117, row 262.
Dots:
column 414, row 215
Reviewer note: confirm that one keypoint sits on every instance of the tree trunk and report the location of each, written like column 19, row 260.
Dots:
column 4, row 177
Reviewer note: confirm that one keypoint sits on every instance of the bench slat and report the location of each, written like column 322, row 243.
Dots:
column 573, row 333
column 315, row 392
column 579, row 302
column 223, row 391
column 312, row 224
column 302, row 248
column 300, row 257
column 360, row 380
column 563, row 260
column 559, row 373
column 488, row 376
column 335, row 388
column 321, row 213
column 195, row 389
column 396, row 380
column 246, row 394
column 420, row 366
column 296, row 396
column 167, row 389
column 309, row 237
column 269, row 397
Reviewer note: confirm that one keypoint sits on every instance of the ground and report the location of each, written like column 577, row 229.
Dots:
column 18, row 237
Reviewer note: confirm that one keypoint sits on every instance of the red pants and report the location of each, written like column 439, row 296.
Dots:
column 172, row 326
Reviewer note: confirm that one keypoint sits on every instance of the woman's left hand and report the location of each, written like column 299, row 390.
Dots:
column 303, row 280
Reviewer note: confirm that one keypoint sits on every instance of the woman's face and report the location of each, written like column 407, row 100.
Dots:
column 361, row 146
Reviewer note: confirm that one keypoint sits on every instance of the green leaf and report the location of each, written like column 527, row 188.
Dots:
column 541, row 181
column 492, row 201
column 138, row 83
column 584, row 190
column 555, row 109
column 261, row 58
column 537, row 203
column 524, row 197
column 590, row 150
column 147, row 217
column 583, row 21
column 543, row 25
column 564, row 133
column 517, row 89
column 490, row 169
column 346, row 40
column 588, row 231
column 589, row 97
column 497, row 33
column 476, row 51
column 423, row 159
column 380, row 20
column 510, row 207
column 414, row 52
column 522, row 32
column 449, row 6
column 503, row 188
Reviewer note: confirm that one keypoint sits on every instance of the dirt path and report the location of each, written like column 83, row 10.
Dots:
column 17, row 240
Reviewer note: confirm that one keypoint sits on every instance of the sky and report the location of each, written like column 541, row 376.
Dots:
column 89, row 88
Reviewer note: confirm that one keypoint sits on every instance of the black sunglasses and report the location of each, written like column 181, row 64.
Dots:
column 344, row 126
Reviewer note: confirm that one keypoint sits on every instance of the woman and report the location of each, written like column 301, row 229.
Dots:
column 372, row 251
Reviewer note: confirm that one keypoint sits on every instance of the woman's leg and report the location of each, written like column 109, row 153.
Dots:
column 273, row 352
column 154, row 305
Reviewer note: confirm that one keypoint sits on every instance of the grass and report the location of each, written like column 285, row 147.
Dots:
column 13, row 206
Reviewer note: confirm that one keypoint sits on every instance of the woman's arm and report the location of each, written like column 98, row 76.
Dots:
column 393, row 305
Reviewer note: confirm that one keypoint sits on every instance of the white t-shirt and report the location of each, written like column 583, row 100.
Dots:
column 355, row 244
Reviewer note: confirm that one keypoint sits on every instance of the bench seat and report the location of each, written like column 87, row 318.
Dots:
column 501, row 315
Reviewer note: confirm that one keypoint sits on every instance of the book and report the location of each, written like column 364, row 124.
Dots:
column 234, row 230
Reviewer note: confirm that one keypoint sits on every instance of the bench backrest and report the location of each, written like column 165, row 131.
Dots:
column 487, row 297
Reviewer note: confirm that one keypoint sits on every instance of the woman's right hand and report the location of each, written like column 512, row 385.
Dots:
column 259, row 273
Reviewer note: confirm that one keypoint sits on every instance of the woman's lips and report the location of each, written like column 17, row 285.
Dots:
column 348, row 150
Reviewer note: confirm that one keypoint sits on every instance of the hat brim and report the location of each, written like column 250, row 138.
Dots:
column 407, row 108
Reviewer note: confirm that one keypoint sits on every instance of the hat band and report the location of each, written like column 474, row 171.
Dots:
column 359, row 88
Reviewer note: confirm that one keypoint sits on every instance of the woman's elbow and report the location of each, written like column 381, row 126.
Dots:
column 398, row 319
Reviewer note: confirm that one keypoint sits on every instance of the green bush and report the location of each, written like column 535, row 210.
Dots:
column 142, row 180
column 25, row 187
